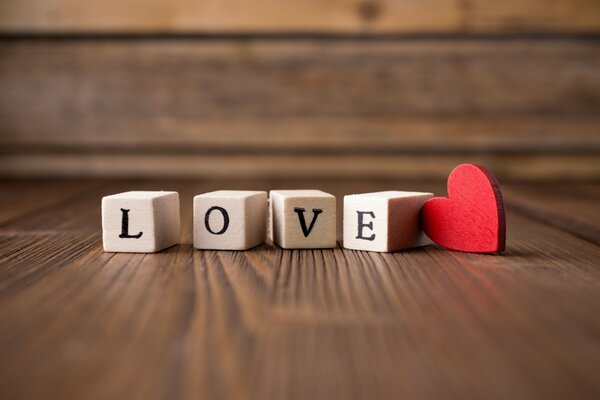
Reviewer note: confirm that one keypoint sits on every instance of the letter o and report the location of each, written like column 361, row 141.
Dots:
column 225, row 220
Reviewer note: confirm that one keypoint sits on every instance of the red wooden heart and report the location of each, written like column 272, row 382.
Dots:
column 471, row 218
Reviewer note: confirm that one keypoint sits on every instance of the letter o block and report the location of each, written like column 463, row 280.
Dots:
column 230, row 220
column 140, row 222
column 303, row 219
column 384, row 221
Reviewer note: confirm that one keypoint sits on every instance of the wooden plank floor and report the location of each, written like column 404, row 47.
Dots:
column 76, row 322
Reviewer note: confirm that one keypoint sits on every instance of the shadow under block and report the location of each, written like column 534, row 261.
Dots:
column 230, row 219
column 384, row 221
column 140, row 222
column 303, row 219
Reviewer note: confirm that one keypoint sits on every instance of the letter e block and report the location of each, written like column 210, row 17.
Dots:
column 140, row 222
column 384, row 221
column 230, row 219
column 303, row 219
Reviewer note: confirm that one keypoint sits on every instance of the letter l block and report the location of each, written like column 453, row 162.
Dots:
column 230, row 219
column 384, row 221
column 140, row 222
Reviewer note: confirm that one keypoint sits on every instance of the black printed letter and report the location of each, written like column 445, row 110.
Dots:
column 225, row 220
column 300, row 212
column 125, row 226
column 361, row 224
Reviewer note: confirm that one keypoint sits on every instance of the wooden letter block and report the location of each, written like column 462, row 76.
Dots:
column 230, row 219
column 140, row 222
column 384, row 221
column 303, row 219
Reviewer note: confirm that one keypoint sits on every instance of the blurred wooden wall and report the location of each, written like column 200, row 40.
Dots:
column 299, row 88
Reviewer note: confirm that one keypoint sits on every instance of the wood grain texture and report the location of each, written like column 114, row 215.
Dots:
column 571, row 207
column 298, row 16
column 79, row 323
column 213, row 108
column 25, row 198
column 451, row 94
column 520, row 167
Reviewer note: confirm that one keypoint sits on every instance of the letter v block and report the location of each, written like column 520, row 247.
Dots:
column 230, row 219
column 303, row 219
column 140, row 222
column 384, row 221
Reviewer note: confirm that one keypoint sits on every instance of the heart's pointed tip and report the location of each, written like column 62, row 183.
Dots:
column 495, row 251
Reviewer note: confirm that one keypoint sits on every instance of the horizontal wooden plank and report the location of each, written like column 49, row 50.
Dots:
column 381, row 16
column 336, row 166
column 312, row 134
column 305, row 95
column 272, row 324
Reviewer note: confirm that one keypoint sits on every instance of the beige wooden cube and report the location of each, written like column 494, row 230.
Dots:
column 140, row 222
column 230, row 219
column 384, row 221
column 303, row 219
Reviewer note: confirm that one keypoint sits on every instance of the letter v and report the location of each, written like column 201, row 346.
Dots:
column 300, row 211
